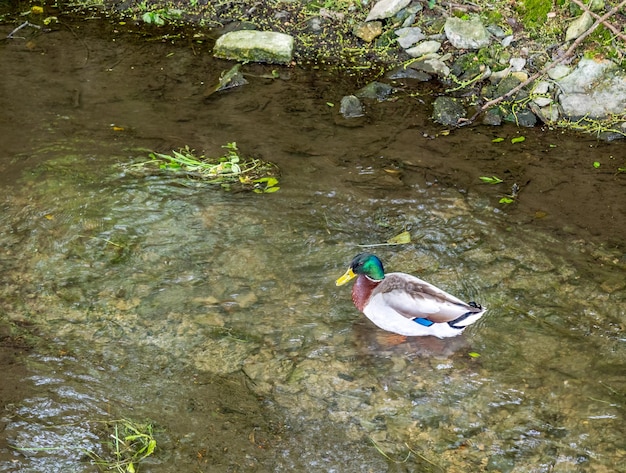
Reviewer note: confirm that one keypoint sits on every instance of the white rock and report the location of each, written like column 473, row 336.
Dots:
column 559, row 71
column 506, row 41
column 542, row 101
column 584, row 77
column 517, row 63
column 424, row 48
column 466, row 34
column 386, row 9
column 407, row 37
column 541, row 87
column 253, row 45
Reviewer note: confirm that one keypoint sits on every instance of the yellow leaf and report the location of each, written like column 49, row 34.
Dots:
column 400, row 239
column 36, row 10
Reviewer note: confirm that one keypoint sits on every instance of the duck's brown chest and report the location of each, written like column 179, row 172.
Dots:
column 362, row 291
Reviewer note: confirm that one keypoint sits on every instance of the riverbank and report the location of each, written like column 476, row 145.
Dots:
column 498, row 62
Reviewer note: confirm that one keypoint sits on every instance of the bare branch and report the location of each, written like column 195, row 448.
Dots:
column 613, row 29
column 543, row 71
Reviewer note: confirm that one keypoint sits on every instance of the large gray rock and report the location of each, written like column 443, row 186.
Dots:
column 596, row 88
column 587, row 74
column 255, row 46
column 466, row 34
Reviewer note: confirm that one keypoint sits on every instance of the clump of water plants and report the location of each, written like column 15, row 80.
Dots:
column 125, row 444
column 231, row 171
column 128, row 443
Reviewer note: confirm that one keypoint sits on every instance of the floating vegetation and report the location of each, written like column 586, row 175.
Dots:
column 130, row 443
column 231, row 171
column 125, row 445
column 403, row 238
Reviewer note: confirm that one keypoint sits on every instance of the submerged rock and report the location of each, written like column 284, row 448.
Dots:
column 256, row 46
column 375, row 90
column 229, row 79
column 447, row 111
column 351, row 107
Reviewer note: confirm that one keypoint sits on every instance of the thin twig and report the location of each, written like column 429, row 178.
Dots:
column 613, row 29
column 543, row 71
column 23, row 25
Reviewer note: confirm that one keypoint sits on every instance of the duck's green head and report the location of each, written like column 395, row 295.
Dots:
column 365, row 263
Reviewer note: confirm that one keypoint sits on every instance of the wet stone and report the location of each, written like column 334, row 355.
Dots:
column 375, row 91
column 432, row 66
column 351, row 107
column 492, row 117
column 447, row 111
column 525, row 118
column 408, row 73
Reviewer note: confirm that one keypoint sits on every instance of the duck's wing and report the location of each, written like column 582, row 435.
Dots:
column 415, row 298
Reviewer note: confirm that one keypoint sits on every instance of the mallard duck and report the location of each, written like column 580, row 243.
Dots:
column 406, row 305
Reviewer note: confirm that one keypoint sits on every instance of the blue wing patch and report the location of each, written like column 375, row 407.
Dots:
column 424, row 322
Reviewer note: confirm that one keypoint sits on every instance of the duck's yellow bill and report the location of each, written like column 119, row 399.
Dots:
column 348, row 275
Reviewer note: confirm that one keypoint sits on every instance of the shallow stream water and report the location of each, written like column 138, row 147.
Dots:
column 214, row 315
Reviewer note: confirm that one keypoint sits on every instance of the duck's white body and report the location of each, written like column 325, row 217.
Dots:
column 406, row 305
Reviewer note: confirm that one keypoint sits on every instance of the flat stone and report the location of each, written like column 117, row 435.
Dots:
column 368, row 31
column 559, row 71
column 608, row 97
column 424, row 48
column 407, row 37
column 541, row 87
column 579, row 26
column 466, row 34
column 386, row 9
column 432, row 66
column 542, row 101
column 255, row 46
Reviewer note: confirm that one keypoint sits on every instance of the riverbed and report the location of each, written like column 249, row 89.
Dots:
column 214, row 316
